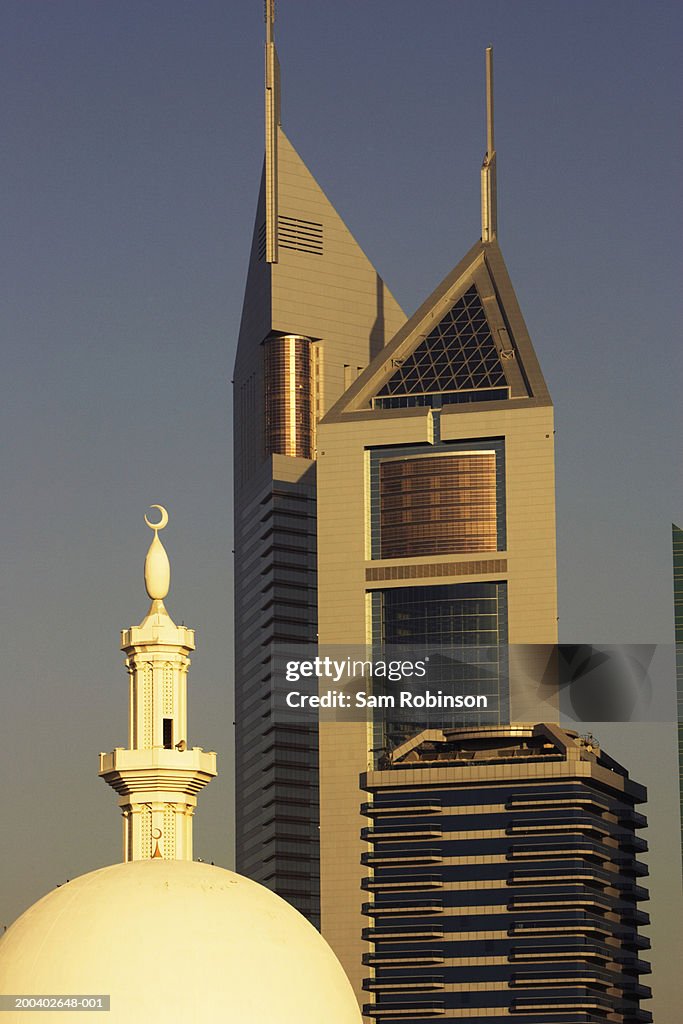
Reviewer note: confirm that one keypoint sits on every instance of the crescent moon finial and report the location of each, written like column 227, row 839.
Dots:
column 163, row 522
column 157, row 566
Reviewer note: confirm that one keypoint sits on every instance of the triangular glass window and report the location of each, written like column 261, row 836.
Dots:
column 459, row 354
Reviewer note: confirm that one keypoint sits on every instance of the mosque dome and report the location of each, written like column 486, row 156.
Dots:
column 175, row 940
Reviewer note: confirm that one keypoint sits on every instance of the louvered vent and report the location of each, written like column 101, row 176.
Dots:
column 301, row 235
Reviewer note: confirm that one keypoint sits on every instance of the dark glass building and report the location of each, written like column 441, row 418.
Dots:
column 504, row 880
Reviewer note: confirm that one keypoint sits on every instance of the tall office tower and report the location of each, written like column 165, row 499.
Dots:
column 504, row 880
column 315, row 313
column 436, row 518
column 677, row 540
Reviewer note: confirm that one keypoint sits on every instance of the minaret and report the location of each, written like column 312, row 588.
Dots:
column 157, row 777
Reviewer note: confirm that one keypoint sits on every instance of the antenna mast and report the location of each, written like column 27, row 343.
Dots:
column 489, row 211
column 272, row 123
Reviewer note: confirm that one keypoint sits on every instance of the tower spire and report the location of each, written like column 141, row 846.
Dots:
column 489, row 211
column 272, row 98
column 157, row 777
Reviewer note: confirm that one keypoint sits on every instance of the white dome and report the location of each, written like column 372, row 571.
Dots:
column 175, row 940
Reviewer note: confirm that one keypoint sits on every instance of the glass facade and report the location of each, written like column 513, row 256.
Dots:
column 453, row 615
column 441, row 499
column 464, row 626
column 419, row 503
column 438, row 505
column 438, row 401
column 288, row 399
column 458, row 355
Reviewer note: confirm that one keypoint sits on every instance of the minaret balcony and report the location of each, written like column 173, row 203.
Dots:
column 186, row 771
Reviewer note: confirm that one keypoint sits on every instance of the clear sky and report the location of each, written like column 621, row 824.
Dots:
column 132, row 148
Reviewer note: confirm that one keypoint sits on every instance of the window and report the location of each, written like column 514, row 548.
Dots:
column 168, row 733
column 459, row 354
column 438, row 505
column 289, row 414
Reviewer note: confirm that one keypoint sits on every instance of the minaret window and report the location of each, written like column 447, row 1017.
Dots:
column 168, row 733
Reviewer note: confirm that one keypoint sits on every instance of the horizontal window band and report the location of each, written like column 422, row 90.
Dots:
column 413, row 572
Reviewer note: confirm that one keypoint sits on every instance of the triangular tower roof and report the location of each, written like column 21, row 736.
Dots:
column 467, row 342
column 307, row 274
column 468, row 336
column 322, row 285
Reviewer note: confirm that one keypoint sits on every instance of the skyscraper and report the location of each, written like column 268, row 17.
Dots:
column 436, row 517
column 315, row 313
column 504, row 880
column 394, row 484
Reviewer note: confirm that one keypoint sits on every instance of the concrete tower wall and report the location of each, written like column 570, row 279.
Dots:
column 515, row 418
column 324, row 290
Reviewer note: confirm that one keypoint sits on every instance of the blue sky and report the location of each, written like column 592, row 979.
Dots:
column 132, row 148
